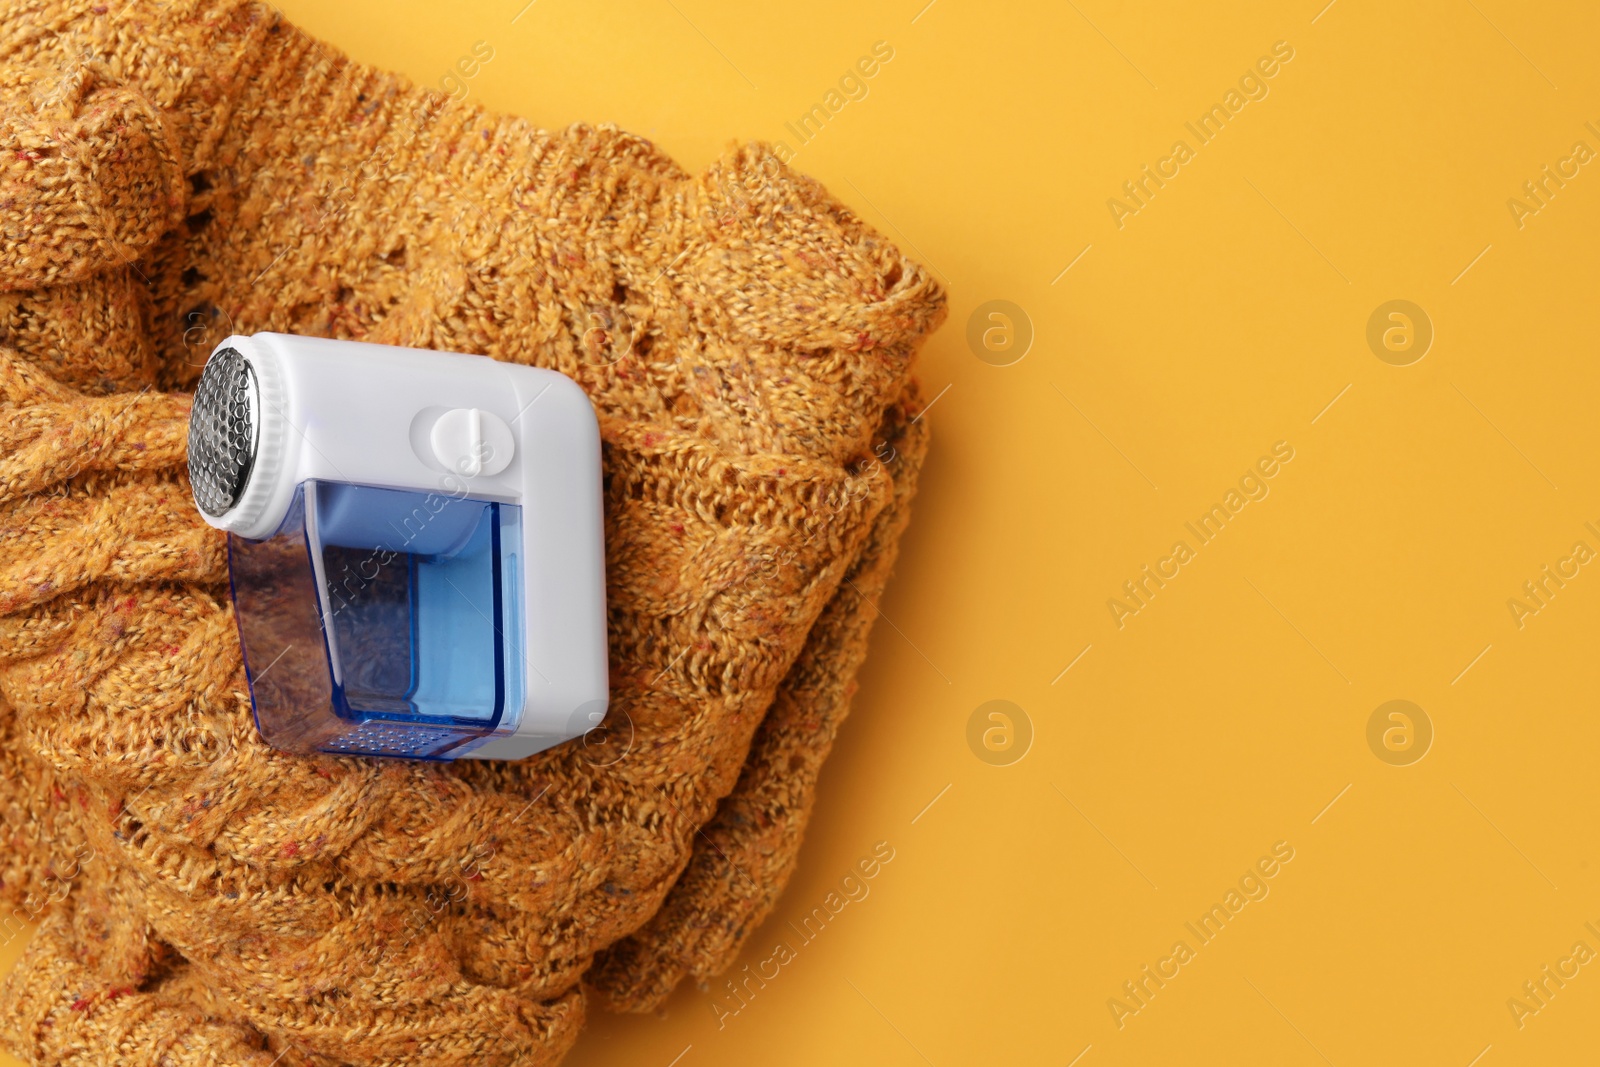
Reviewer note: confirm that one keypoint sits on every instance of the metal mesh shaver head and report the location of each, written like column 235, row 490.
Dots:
column 223, row 431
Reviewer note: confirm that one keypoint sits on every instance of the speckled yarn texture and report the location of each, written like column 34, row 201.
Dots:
column 172, row 172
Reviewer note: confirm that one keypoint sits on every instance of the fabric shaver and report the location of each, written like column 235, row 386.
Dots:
column 415, row 546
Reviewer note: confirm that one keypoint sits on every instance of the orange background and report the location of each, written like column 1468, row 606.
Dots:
column 1231, row 712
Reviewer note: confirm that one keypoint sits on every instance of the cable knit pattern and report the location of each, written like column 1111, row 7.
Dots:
column 176, row 171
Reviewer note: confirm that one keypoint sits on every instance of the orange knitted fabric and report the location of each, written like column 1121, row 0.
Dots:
column 174, row 171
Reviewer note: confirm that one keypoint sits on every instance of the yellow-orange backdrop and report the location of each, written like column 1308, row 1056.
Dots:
column 1182, row 328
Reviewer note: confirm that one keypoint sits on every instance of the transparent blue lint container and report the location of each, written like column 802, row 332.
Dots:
column 383, row 622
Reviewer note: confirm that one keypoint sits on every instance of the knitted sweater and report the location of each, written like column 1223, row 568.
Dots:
column 171, row 172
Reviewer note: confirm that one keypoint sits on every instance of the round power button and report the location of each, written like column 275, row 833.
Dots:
column 472, row 442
